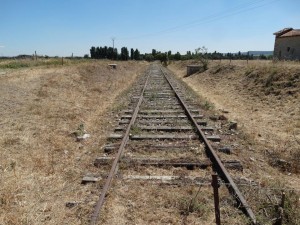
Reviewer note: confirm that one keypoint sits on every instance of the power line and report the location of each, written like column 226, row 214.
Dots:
column 240, row 8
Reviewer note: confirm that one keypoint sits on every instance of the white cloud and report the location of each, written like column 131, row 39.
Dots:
column 2, row 46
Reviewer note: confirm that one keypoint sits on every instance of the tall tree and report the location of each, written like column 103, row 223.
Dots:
column 136, row 54
column 115, row 53
column 98, row 53
column 154, row 52
column 93, row 52
column 177, row 56
column 124, row 53
column 131, row 53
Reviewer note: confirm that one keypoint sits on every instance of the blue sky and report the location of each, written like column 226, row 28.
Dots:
column 63, row 27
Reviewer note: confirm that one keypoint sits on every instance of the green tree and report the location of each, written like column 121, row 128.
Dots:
column 149, row 57
column 154, row 52
column 131, row 53
column 177, row 56
column 98, row 53
column 93, row 52
column 124, row 53
column 201, row 54
column 136, row 54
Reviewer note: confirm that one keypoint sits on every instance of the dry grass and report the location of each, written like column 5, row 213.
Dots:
column 263, row 96
column 147, row 203
column 41, row 164
column 264, row 99
column 41, row 62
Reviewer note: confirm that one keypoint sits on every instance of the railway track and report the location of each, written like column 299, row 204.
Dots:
column 162, row 138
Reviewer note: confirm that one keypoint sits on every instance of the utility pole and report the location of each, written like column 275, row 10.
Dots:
column 113, row 40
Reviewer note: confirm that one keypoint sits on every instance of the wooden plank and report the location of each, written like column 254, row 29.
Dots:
column 160, row 111
column 199, row 163
column 202, row 123
column 204, row 163
column 115, row 136
column 166, row 128
column 155, row 95
column 171, row 180
column 109, row 149
column 226, row 150
column 161, row 122
column 163, row 136
column 160, row 128
column 161, row 148
column 214, row 138
column 234, row 165
column 90, row 179
column 161, row 116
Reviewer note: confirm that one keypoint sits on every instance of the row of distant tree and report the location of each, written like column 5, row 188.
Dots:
column 112, row 53
column 134, row 54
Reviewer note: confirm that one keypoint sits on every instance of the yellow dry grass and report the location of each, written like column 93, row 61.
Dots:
column 41, row 165
column 155, row 203
column 264, row 98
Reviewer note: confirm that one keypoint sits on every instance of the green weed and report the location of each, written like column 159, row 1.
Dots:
column 135, row 130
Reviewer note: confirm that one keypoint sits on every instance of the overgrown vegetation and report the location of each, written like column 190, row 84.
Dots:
column 266, row 201
column 201, row 54
column 24, row 63
column 193, row 204
column 135, row 130
column 41, row 164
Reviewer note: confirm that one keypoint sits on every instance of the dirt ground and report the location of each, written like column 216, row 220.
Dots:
column 41, row 164
column 264, row 98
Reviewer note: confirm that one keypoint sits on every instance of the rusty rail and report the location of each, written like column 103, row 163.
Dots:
column 113, row 169
column 218, row 166
column 233, row 189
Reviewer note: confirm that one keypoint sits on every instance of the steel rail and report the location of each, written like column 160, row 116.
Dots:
column 113, row 169
column 233, row 189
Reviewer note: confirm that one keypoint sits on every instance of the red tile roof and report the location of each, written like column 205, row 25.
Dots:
column 283, row 31
column 292, row 33
column 287, row 32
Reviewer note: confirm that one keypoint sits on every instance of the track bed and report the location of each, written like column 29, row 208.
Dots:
column 159, row 160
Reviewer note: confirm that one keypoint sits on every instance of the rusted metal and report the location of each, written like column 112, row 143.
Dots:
column 215, row 186
column 113, row 169
column 218, row 165
column 281, row 209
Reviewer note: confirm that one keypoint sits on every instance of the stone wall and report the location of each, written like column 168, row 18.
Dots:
column 190, row 69
column 287, row 48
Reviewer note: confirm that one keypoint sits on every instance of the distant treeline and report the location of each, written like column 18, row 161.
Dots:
column 42, row 57
column 112, row 53
column 134, row 54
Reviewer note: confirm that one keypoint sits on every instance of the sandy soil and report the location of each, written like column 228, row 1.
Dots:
column 41, row 164
column 265, row 101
